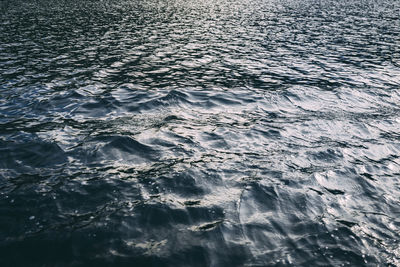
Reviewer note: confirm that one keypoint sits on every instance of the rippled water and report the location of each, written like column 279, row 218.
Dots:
column 200, row 133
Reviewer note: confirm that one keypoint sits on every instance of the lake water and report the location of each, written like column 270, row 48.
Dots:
column 200, row 133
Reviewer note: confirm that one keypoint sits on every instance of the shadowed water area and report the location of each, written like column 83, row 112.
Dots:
column 200, row 133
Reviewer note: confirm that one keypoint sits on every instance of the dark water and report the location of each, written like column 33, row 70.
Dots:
column 200, row 133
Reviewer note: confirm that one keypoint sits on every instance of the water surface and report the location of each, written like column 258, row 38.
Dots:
column 199, row 133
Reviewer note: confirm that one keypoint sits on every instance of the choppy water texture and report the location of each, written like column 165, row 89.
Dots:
column 200, row 133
